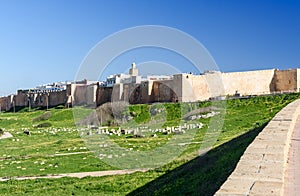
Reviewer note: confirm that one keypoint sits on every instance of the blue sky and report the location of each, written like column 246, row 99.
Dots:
column 46, row 41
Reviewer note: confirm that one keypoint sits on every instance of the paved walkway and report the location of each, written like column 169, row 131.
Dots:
column 292, row 174
column 80, row 174
column 269, row 166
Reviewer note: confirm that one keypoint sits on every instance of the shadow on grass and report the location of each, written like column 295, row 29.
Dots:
column 26, row 109
column 203, row 175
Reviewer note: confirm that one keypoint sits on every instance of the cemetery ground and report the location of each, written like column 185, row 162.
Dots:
column 48, row 143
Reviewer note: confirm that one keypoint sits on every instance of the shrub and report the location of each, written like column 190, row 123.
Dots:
column 60, row 107
column 173, row 111
column 140, row 113
column 44, row 124
column 44, row 116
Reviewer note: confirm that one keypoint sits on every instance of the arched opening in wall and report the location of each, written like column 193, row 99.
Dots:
column 135, row 95
column 164, row 93
column 104, row 95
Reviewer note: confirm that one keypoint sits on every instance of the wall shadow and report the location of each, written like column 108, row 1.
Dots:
column 272, row 85
column 203, row 175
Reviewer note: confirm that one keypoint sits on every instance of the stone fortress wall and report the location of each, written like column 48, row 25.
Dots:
column 179, row 88
column 247, row 83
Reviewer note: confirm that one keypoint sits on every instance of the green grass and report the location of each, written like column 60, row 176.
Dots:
column 187, row 174
column 140, row 113
column 202, row 175
column 42, row 165
column 18, row 155
column 109, row 185
column 58, row 118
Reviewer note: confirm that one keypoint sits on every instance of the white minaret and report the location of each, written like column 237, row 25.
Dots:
column 133, row 71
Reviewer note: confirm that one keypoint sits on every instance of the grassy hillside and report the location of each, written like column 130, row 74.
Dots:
column 53, row 133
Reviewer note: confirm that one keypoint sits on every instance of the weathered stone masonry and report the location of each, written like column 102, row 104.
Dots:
column 180, row 88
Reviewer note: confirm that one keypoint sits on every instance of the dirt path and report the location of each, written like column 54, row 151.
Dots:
column 79, row 175
column 68, row 153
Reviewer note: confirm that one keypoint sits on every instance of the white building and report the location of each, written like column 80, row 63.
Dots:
column 132, row 77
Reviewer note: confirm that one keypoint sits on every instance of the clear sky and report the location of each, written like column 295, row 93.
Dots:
column 46, row 41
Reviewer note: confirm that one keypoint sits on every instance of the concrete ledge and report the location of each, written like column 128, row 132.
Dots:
column 261, row 169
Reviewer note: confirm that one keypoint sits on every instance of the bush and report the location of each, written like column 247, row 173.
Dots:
column 44, row 116
column 140, row 113
column 1, row 132
column 173, row 111
column 44, row 124
column 60, row 107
